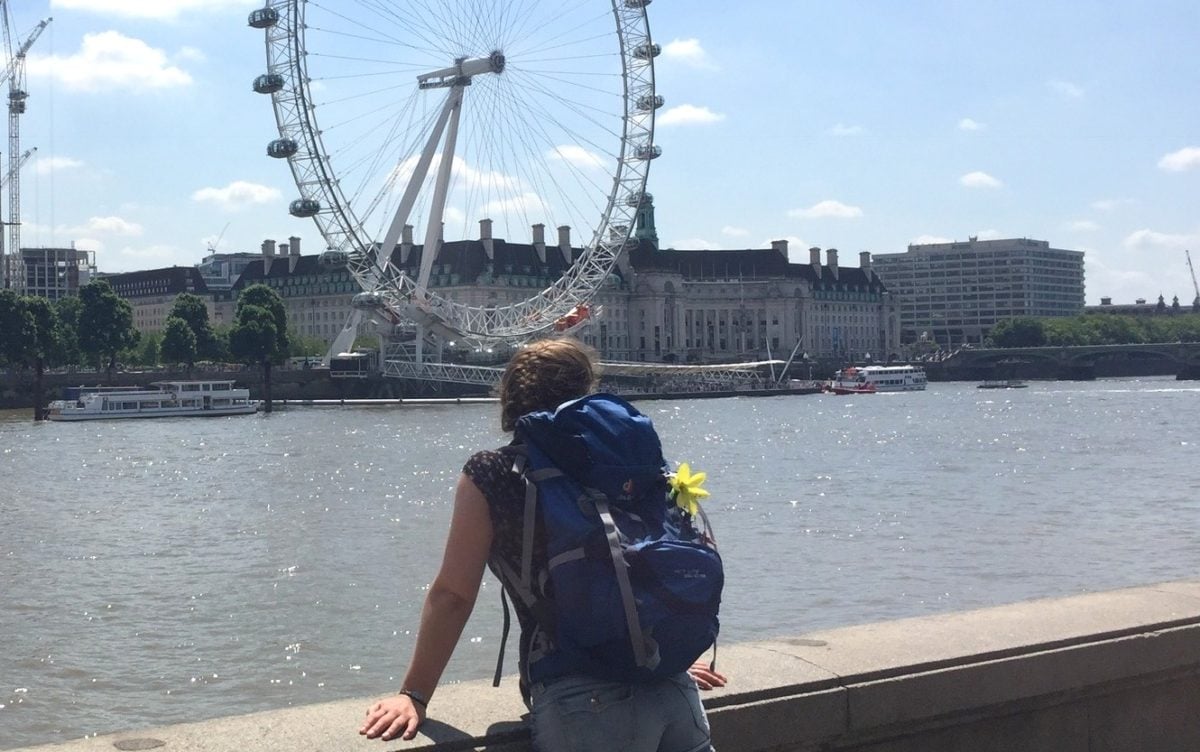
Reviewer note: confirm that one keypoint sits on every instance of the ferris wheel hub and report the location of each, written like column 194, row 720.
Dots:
column 461, row 73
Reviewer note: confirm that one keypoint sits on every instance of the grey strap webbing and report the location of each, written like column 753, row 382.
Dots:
column 636, row 638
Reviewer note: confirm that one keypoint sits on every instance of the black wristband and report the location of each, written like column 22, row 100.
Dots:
column 415, row 696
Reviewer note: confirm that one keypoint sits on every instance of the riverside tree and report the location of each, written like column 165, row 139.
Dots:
column 259, row 335
column 179, row 343
column 29, row 336
column 105, row 324
column 193, row 312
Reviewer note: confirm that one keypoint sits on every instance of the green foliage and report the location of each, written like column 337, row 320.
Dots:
column 1097, row 329
column 67, row 310
column 253, row 339
column 149, row 351
column 263, row 297
column 29, row 330
column 179, row 342
column 16, row 329
column 193, row 312
column 105, row 323
column 46, row 329
column 305, row 346
column 1018, row 332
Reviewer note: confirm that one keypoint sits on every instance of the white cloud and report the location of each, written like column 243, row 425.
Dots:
column 1082, row 225
column 1110, row 204
column 110, row 60
column 1065, row 89
column 237, row 195
column 159, row 10
column 695, row 244
column 1123, row 286
column 110, row 226
column 191, row 54
column 689, row 52
column 988, row 234
column 967, row 124
column 1146, row 239
column 827, row 209
column 45, row 166
column 688, row 114
column 846, row 130
column 734, row 232
column 142, row 257
column 979, row 179
column 466, row 175
column 1187, row 158
column 929, row 240
column 523, row 204
column 577, row 155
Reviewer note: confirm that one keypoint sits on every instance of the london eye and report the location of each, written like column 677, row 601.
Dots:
column 425, row 118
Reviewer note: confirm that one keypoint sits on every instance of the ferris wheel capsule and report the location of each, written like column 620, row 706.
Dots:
column 647, row 51
column 304, row 207
column 268, row 83
column 331, row 258
column 282, row 148
column 263, row 18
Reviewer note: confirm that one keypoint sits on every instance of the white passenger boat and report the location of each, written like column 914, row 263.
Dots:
column 162, row 399
column 872, row 379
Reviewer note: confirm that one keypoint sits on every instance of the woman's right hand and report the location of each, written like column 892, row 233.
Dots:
column 392, row 717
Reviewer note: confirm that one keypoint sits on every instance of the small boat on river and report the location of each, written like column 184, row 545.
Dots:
column 1002, row 384
column 162, row 399
column 873, row 379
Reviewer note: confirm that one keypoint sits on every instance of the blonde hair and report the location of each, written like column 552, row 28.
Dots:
column 545, row 374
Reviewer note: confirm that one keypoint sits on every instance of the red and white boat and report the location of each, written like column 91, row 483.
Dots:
column 873, row 379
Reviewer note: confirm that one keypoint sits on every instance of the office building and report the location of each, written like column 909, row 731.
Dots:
column 953, row 293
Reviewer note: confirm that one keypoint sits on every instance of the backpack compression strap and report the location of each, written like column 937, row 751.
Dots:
column 523, row 582
column 645, row 650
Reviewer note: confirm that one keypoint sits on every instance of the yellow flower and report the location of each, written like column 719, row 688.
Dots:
column 687, row 489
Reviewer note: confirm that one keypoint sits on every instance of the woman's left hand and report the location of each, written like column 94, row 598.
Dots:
column 392, row 717
column 706, row 677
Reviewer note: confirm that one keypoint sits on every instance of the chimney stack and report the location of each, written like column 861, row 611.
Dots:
column 564, row 243
column 293, row 247
column 406, row 244
column 780, row 246
column 832, row 261
column 539, row 241
column 485, row 237
column 814, row 259
column 268, row 248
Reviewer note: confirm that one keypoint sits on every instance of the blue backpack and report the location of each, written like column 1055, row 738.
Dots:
column 634, row 582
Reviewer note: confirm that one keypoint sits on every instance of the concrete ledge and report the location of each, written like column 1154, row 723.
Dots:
column 1107, row 671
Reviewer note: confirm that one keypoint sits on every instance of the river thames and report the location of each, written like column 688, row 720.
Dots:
column 163, row 571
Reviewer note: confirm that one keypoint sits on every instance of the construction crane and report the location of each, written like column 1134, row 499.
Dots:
column 1196, row 287
column 21, row 163
column 14, row 73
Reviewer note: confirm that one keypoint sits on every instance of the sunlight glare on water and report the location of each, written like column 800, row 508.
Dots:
column 164, row 571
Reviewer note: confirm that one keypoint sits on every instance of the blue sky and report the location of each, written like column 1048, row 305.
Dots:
column 857, row 125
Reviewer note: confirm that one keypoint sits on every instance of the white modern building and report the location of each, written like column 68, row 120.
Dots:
column 955, row 292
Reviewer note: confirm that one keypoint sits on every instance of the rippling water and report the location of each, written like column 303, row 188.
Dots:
column 155, row 572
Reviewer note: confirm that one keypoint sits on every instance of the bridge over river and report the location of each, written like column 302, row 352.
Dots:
column 1084, row 362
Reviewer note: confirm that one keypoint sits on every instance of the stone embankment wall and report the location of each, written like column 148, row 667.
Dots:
column 1105, row 672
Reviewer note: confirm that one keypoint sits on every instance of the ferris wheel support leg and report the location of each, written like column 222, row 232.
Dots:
column 345, row 338
column 414, row 186
column 433, row 232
